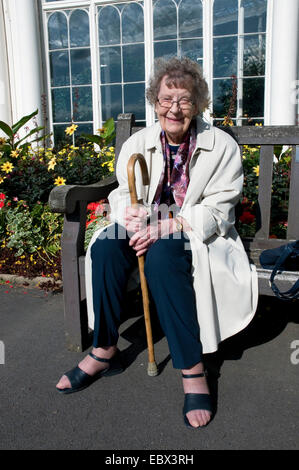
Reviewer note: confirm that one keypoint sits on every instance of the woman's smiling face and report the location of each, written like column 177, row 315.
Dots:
column 174, row 121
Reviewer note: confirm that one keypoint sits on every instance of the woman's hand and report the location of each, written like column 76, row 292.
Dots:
column 135, row 218
column 142, row 240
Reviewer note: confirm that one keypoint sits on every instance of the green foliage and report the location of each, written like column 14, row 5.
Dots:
column 24, row 235
column 13, row 142
column 27, row 175
column 29, row 231
column 94, row 225
column 30, row 172
column 280, row 191
column 106, row 136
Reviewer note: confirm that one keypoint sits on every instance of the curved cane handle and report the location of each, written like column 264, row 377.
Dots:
column 131, row 174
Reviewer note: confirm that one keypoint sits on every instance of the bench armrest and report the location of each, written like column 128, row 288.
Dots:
column 63, row 199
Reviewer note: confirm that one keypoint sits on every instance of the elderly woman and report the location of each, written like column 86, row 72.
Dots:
column 197, row 270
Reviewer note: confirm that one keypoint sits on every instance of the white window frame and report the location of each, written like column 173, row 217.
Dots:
column 149, row 52
column 240, row 60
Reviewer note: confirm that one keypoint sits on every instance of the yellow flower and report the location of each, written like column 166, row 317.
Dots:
column 14, row 153
column 110, row 165
column 256, row 170
column 59, row 181
column 2, row 140
column 51, row 164
column 2, row 179
column 71, row 129
column 7, row 167
column 258, row 124
column 227, row 121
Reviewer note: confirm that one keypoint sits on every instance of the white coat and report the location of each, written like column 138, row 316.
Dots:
column 225, row 284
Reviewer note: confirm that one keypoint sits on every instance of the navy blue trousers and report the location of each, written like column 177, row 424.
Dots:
column 168, row 267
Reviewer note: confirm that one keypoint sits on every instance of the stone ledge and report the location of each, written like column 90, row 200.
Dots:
column 27, row 282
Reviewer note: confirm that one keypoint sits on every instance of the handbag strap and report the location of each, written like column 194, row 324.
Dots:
column 293, row 292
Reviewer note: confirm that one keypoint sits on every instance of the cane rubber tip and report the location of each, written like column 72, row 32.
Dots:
column 152, row 369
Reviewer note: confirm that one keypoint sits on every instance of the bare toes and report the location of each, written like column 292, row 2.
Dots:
column 63, row 383
column 198, row 418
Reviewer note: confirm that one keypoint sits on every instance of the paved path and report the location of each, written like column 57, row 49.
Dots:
column 257, row 390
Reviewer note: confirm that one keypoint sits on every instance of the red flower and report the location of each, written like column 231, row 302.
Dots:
column 92, row 206
column 2, row 196
column 247, row 218
column 91, row 219
column 1, row 204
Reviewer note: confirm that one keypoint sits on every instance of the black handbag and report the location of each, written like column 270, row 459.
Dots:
column 283, row 258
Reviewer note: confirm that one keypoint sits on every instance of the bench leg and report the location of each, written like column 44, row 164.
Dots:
column 75, row 311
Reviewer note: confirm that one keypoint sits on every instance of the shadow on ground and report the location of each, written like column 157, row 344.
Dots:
column 271, row 318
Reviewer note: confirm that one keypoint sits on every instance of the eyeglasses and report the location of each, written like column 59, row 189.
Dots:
column 183, row 103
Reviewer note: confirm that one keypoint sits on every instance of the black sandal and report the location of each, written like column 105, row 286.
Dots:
column 196, row 401
column 80, row 379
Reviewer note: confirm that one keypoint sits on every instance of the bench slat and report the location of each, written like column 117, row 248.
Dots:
column 267, row 135
column 265, row 189
column 293, row 213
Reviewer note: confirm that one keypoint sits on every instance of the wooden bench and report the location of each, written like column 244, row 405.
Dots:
column 72, row 202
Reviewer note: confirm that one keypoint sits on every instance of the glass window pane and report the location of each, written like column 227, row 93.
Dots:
column 191, row 48
column 82, row 129
column 132, row 23
column 134, row 100
column 225, row 56
column 109, row 26
column 79, row 28
column 60, row 137
column 253, row 97
column 254, row 55
column 82, row 103
column 165, row 49
column 61, row 105
column 255, row 12
column 59, row 67
column 111, row 101
column 80, row 66
column 133, row 60
column 165, row 20
column 110, row 63
column 225, row 17
column 57, row 31
column 190, row 19
column 222, row 95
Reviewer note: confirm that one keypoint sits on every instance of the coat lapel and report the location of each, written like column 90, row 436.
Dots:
column 154, row 159
column 201, row 158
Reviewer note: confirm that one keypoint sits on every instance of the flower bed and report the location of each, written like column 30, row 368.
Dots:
column 280, row 192
column 29, row 232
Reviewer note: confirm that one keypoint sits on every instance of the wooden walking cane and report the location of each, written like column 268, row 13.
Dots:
column 152, row 369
